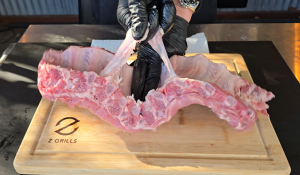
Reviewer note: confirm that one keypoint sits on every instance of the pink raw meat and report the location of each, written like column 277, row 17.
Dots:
column 198, row 67
column 59, row 79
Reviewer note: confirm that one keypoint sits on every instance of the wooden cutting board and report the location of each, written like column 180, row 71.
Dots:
column 61, row 140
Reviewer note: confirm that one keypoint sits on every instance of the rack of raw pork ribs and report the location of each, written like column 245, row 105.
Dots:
column 93, row 78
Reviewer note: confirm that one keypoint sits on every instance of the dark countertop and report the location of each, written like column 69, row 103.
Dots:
column 19, row 96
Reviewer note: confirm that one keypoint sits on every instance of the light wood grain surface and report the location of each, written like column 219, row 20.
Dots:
column 194, row 141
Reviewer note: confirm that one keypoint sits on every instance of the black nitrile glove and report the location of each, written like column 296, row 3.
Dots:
column 147, row 67
column 136, row 14
column 175, row 39
column 146, row 72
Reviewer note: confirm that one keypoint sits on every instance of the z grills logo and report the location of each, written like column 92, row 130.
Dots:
column 60, row 131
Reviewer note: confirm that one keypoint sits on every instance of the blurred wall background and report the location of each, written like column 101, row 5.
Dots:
column 38, row 7
column 67, row 11
column 266, row 5
column 70, row 7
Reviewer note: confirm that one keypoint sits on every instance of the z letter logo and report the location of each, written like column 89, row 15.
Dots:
column 61, row 129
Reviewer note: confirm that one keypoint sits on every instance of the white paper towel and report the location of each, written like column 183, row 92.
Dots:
column 196, row 44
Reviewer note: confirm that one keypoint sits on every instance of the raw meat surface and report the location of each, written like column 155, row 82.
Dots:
column 104, row 97
column 200, row 68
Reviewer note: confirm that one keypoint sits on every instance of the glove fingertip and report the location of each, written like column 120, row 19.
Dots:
column 138, row 32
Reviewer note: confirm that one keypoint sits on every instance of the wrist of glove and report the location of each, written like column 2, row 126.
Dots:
column 175, row 40
column 146, row 72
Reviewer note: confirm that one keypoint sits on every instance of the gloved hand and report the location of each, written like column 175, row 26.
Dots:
column 147, row 68
column 146, row 72
column 175, row 39
column 136, row 14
